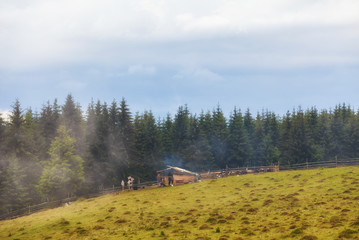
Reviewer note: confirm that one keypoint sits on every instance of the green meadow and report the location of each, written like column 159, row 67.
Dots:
column 307, row 204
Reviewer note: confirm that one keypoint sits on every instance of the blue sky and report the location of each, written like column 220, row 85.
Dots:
column 258, row 54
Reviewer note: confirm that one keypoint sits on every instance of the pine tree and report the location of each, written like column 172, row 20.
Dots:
column 300, row 148
column 248, row 124
column 284, row 144
column 147, row 145
column 270, row 141
column 126, row 137
column 48, row 125
column 180, row 133
column 219, row 138
column 63, row 173
column 238, row 146
column 13, row 188
column 2, row 136
column 311, row 118
column 259, row 135
column 72, row 119
column 166, row 139
column 324, row 135
column 15, row 135
column 352, row 136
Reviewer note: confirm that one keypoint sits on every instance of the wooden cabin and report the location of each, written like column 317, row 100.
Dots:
column 176, row 176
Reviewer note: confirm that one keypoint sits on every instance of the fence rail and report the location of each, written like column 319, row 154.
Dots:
column 206, row 175
column 47, row 205
column 274, row 168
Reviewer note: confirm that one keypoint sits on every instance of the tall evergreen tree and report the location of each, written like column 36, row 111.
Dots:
column 238, row 145
column 15, row 135
column 147, row 144
column 284, row 144
column 2, row 136
column 48, row 125
column 181, row 133
column 126, row 137
column 63, row 173
column 72, row 119
column 166, row 139
column 219, row 138
column 248, row 124
column 270, row 140
column 258, row 147
column 300, row 148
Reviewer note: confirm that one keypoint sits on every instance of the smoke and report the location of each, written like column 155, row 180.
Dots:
column 173, row 161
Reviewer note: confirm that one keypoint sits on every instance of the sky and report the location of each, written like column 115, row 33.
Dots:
column 160, row 54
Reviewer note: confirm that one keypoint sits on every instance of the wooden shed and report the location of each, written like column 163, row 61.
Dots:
column 176, row 176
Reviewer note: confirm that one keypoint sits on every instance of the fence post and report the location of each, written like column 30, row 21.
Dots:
column 307, row 164
column 336, row 161
column 29, row 209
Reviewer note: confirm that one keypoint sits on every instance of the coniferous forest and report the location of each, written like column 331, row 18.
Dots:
column 62, row 151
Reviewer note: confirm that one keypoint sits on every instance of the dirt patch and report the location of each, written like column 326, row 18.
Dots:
column 121, row 221
column 267, row 202
column 211, row 220
column 347, row 233
column 165, row 225
column 230, row 217
column 81, row 231
column 98, row 227
column 252, row 210
column 309, row 237
column 111, row 209
column 204, row 227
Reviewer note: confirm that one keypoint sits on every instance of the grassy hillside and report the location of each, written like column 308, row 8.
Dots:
column 312, row 204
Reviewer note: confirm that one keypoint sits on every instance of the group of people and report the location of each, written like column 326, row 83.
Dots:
column 129, row 183
column 161, row 181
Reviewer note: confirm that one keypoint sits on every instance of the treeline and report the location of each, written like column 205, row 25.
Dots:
column 62, row 151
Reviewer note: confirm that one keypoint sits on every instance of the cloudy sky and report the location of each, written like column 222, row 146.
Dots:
column 159, row 54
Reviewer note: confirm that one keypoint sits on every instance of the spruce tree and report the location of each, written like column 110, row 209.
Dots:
column 248, row 124
column 63, row 173
column 219, row 138
column 126, row 137
column 72, row 119
column 147, row 145
column 180, row 134
column 284, row 144
column 238, row 145
column 15, row 134
column 166, row 139
column 258, row 147
column 300, row 148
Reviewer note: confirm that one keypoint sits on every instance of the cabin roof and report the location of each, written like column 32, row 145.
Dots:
column 175, row 170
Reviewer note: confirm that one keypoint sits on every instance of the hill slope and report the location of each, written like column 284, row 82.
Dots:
column 312, row 204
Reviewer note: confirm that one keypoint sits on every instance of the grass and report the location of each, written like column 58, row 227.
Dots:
column 310, row 204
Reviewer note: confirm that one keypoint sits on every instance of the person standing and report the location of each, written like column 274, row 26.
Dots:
column 129, row 182
column 123, row 185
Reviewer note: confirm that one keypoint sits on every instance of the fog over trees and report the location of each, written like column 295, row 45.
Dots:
column 63, row 151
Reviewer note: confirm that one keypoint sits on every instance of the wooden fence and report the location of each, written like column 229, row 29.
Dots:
column 53, row 204
column 274, row 168
column 205, row 175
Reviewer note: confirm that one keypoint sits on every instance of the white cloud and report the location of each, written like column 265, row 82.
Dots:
column 140, row 69
column 72, row 85
column 199, row 76
column 5, row 115
column 38, row 34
